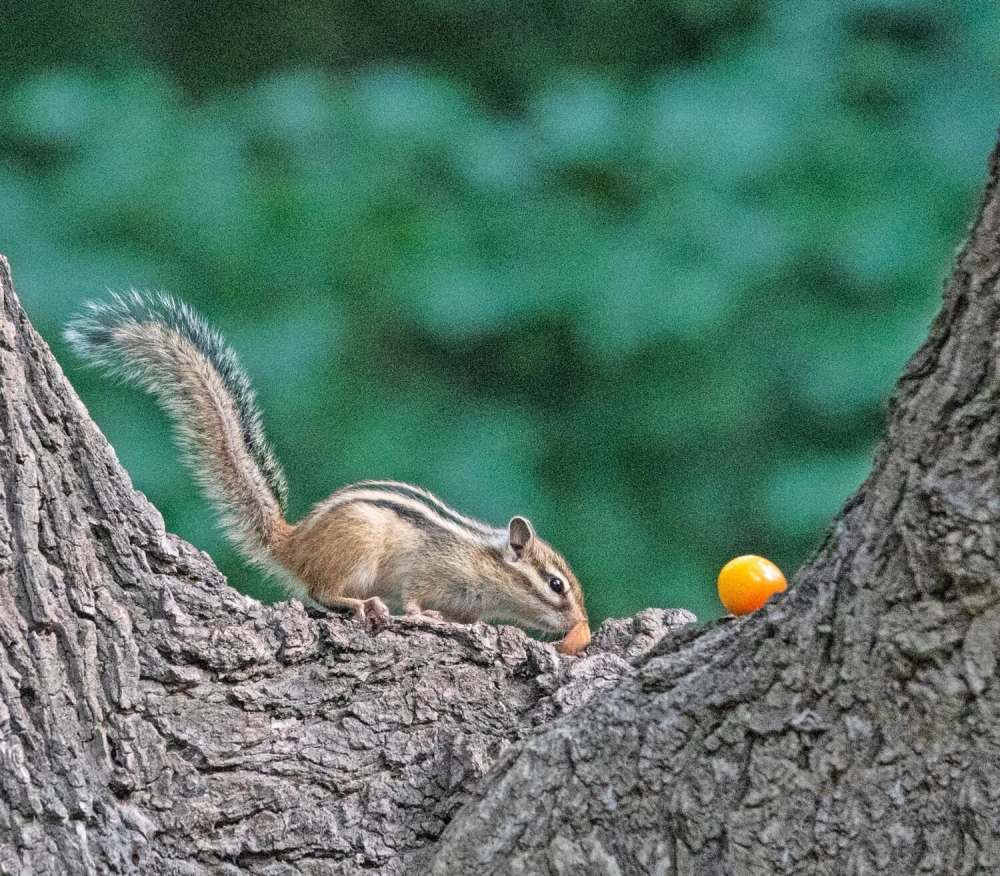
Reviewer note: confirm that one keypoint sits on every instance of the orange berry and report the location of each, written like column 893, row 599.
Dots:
column 746, row 583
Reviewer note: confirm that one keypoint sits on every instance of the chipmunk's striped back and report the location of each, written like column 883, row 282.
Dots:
column 420, row 507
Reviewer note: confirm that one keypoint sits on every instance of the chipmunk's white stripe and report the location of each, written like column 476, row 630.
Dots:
column 477, row 533
column 420, row 495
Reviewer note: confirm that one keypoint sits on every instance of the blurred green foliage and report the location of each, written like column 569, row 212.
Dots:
column 644, row 273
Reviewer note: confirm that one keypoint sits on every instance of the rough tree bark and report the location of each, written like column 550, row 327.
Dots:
column 152, row 720
column 851, row 727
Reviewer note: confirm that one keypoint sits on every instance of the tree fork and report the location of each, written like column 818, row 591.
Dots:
column 153, row 720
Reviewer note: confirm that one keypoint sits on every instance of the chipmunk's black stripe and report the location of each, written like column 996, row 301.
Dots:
column 427, row 501
column 405, row 512
column 415, row 517
column 497, row 556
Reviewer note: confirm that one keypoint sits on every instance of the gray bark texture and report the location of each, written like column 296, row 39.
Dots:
column 154, row 721
column 850, row 727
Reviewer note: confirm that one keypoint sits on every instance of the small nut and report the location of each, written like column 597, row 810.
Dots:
column 576, row 639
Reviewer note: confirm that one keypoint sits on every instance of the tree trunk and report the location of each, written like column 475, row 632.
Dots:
column 850, row 727
column 154, row 721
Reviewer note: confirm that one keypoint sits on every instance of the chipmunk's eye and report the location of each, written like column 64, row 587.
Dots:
column 557, row 585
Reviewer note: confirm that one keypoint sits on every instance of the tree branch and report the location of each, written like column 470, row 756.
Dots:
column 153, row 720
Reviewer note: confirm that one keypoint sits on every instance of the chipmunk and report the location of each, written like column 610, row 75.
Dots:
column 367, row 542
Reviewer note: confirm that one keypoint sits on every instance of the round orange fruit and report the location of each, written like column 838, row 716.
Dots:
column 746, row 583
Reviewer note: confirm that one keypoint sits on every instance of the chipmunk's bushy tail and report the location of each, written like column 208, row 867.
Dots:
column 161, row 345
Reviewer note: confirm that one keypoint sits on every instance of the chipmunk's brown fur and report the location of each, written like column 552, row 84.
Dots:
column 367, row 542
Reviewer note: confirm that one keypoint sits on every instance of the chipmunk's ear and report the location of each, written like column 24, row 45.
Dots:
column 519, row 535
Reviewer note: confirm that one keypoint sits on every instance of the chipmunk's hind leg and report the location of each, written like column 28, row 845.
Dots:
column 371, row 613
column 411, row 608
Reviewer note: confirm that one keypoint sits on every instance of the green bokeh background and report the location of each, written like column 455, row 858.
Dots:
column 644, row 273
